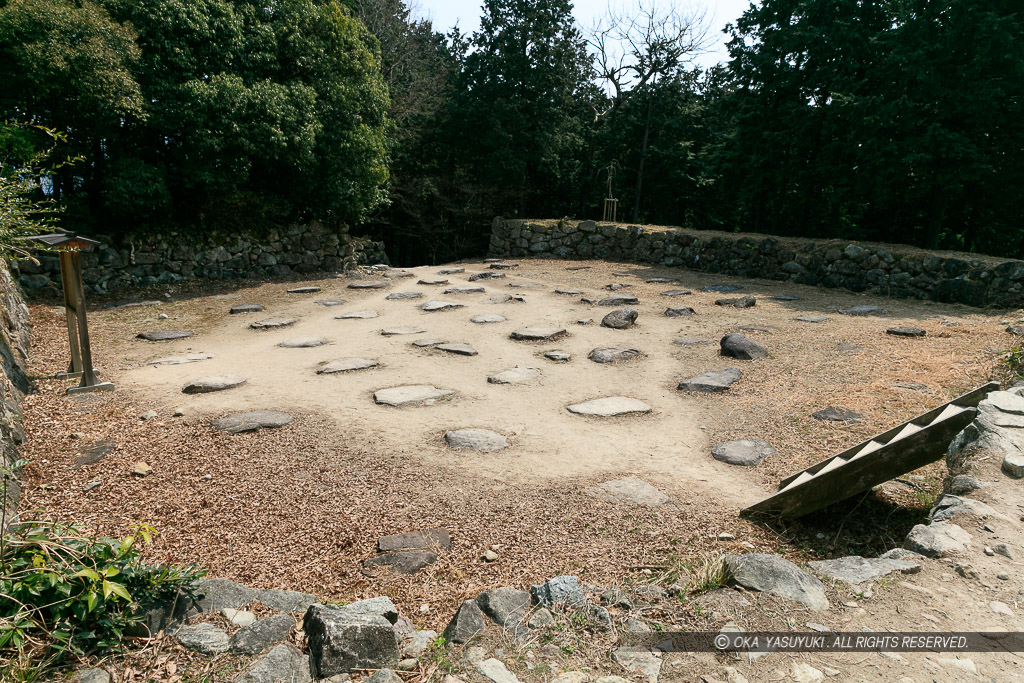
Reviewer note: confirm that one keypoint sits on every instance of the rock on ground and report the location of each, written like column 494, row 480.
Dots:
column 736, row 345
column 410, row 394
column 856, row 570
column 833, row 414
column 938, row 539
column 251, row 421
column 91, row 676
column 181, row 360
column 679, row 312
column 516, row 375
column 494, row 671
column 613, row 354
column 713, row 381
column 561, row 589
column 487, row 318
column 741, row 302
column 165, row 335
column 1013, row 465
column 303, row 343
column 610, row 406
column 369, row 284
column 283, row 664
column 621, row 299
column 357, row 315
column 622, row 319
column 906, row 332
column 745, row 452
column 639, row 661
column 630, row 490
column 340, row 641
column 346, row 365
column 273, row 323
column 260, row 635
column 394, row 331
column 467, row 623
column 245, row 308
column 863, row 310
column 507, row 607
column 776, row 575
column 457, row 349
column 476, row 440
column 204, row 638
column 211, row 383
column 403, row 296
column 439, row 306
column 538, row 333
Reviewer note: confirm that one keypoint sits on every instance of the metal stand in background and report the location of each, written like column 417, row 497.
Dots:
column 611, row 210
column 69, row 246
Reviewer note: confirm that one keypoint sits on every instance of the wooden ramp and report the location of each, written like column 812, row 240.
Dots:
column 902, row 449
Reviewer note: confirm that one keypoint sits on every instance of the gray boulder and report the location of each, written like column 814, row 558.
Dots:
column 507, row 607
column 741, row 302
column 384, row 676
column 283, row 664
column 91, row 676
column 426, row 539
column 833, row 414
column 467, row 623
column 1013, row 465
column 712, row 382
column 906, row 332
column 245, row 308
column 736, row 345
column 964, row 483
column 679, row 312
column 938, row 539
column 622, row 319
column 863, row 310
column 273, row 323
column 620, row 299
column 260, row 635
column 745, row 452
column 476, row 440
column 341, row 640
column 204, row 638
column 949, row 506
column 561, row 589
column 773, row 574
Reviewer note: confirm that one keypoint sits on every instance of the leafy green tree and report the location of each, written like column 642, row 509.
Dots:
column 522, row 106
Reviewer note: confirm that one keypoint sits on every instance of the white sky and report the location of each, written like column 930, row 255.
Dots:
column 445, row 13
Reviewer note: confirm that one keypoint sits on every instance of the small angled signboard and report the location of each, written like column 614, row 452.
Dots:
column 902, row 449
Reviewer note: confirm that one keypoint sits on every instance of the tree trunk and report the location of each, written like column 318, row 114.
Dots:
column 643, row 158
column 936, row 217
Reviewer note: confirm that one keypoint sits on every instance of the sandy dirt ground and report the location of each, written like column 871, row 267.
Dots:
column 301, row 506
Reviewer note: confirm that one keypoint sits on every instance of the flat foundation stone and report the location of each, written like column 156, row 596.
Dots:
column 211, row 383
column 621, row 299
column 538, row 333
column 403, row 296
column 906, row 332
column 181, row 360
column 856, row 570
column 304, row 290
column 245, row 308
column 425, row 539
column 675, row 292
column 611, row 406
column 303, row 343
column 457, row 349
column 410, row 394
column 487, row 318
column 451, row 271
column 425, row 343
column 712, row 382
column 357, row 315
column 406, row 562
column 346, row 365
column 516, row 375
column 439, row 306
column 369, row 284
column 329, row 302
column 432, row 281
column 252, row 421
column 863, row 310
column 558, row 356
column 475, row 440
column 833, row 414
column 938, row 539
column 396, row 331
column 165, row 335
column 679, row 312
column 613, row 354
column 622, row 319
column 736, row 345
column 811, row 318
column 273, row 323
column 744, row 452
column 776, row 575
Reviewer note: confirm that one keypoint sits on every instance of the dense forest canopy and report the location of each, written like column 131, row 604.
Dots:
column 887, row 120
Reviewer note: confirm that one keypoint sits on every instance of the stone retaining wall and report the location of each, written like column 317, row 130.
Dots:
column 14, row 383
column 890, row 270
column 120, row 263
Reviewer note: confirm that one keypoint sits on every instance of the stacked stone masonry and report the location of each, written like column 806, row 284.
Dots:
column 119, row 263
column 14, row 384
column 889, row 270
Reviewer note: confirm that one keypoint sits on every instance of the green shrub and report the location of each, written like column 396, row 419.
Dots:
column 62, row 591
